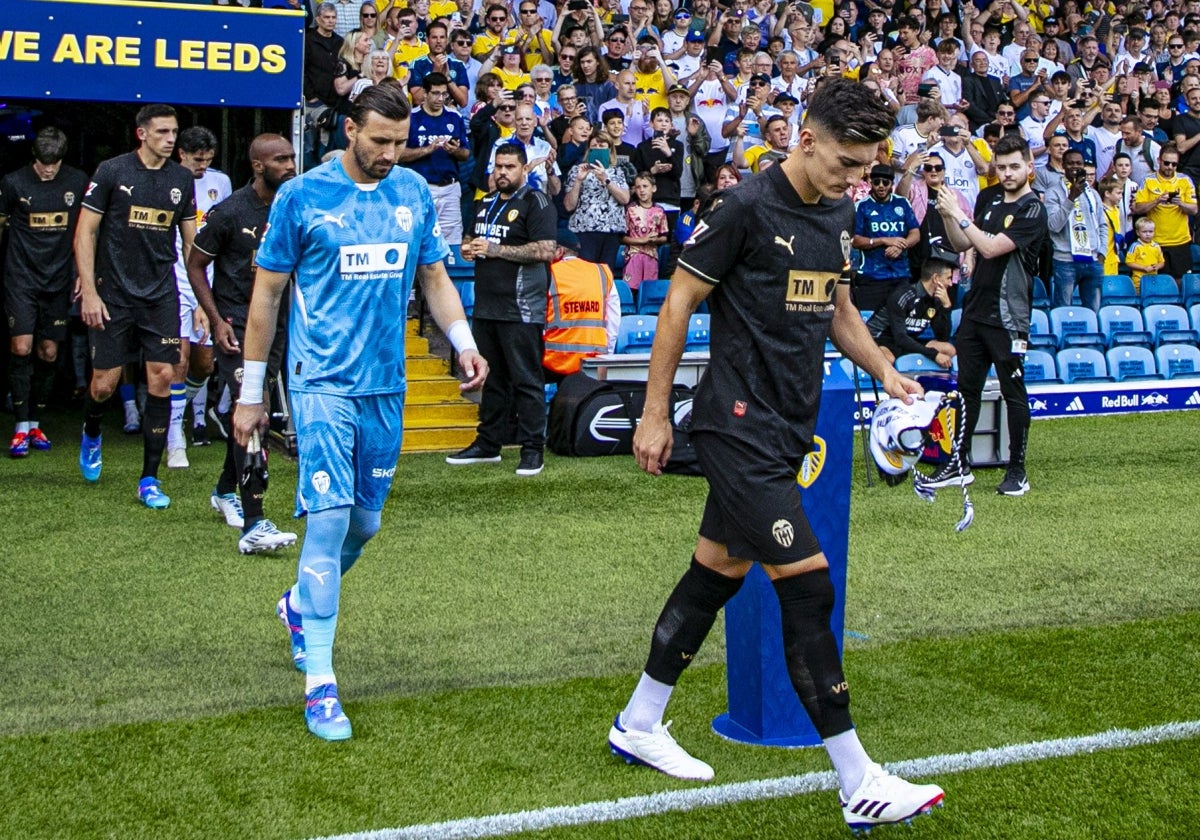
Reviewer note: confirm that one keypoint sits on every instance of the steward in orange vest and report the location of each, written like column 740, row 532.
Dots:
column 581, row 303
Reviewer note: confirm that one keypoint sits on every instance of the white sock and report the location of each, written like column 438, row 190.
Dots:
column 312, row 681
column 33, row 424
column 294, row 597
column 175, row 439
column 849, row 759
column 646, row 704
column 199, row 404
column 225, row 402
column 23, row 427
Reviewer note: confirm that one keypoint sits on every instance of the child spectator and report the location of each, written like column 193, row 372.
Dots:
column 1146, row 255
column 645, row 230
column 1112, row 239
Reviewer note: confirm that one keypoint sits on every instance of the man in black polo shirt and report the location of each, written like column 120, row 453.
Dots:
column 514, row 235
column 228, row 242
column 125, row 255
column 1008, row 231
column 772, row 259
column 39, row 204
column 913, row 308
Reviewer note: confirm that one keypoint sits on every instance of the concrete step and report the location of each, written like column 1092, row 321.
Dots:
column 424, row 391
column 425, row 367
column 449, row 412
column 414, row 345
column 440, row 439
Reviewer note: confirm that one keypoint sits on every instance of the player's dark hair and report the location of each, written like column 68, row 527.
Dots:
column 152, row 112
column 50, row 146
column 388, row 101
column 850, row 112
column 1010, row 143
column 197, row 138
column 935, row 264
column 516, row 150
column 432, row 80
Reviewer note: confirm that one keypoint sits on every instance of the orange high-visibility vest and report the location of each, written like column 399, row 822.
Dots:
column 575, row 309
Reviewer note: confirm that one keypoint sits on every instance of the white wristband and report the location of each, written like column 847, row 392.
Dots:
column 254, row 374
column 459, row 334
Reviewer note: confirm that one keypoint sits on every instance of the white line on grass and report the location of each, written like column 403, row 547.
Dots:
column 632, row 807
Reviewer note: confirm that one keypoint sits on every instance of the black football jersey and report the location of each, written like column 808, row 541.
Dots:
column 231, row 235
column 41, row 221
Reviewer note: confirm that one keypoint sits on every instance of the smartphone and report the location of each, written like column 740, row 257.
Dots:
column 948, row 131
column 598, row 157
column 712, row 54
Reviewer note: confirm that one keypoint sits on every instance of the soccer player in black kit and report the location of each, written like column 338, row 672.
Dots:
column 39, row 204
column 1008, row 231
column 125, row 255
column 772, row 259
column 228, row 242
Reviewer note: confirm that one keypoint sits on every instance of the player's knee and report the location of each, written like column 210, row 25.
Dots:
column 48, row 353
column 320, row 585
column 810, row 648
column 364, row 524
column 687, row 619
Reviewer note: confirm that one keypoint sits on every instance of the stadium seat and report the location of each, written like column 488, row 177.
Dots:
column 1160, row 288
column 1177, row 360
column 1130, row 363
column 458, row 268
column 1082, row 364
column 1041, row 298
column 851, row 370
column 697, row 334
column 628, row 307
column 1169, row 324
column 466, row 292
column 1040, row 336
column 651, row 295
column 1076, row 326
column 1040, row 367
column 1123, row 325
column 618, row 266
column 636, row 334
column 1191, row 290
column 1194, row 314
column 866, row 314
column 1117, row 290
column 916, row 363
column 956, row 319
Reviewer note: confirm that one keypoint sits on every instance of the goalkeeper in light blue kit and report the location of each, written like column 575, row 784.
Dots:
column 356, row 232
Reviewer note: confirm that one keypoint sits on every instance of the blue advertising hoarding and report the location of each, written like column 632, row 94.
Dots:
column 114, row 51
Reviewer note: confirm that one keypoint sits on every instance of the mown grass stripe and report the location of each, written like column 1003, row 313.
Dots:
column 500, row 825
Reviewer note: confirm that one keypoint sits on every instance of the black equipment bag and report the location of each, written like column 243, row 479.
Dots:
column 589, row 417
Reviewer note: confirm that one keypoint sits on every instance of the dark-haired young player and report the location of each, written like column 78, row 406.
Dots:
column 772, row 259
column 1008, row 231
column 39, row 204
column 356, row 231
column 125, row 254
column 228, row 242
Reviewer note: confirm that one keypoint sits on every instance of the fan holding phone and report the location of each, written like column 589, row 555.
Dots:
column 597, row 193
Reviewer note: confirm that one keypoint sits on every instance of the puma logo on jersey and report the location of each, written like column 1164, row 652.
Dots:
column 127, row 190
column 251, row 232
column 320, row 576
column 338, row 220
column 779, row 240
column 27, row 201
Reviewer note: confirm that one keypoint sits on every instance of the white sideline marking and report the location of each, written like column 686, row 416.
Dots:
column 500, row 825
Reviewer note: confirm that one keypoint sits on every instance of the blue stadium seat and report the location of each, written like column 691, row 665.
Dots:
column 697, row 334
column 864, row 379
column 628, row 307
column 956, row 319
column 1123, row 325
column 1194, row 314
column 458, row 268
column 1076, row 326
column 1177, row 360
column 466, row 292
column 1040, row 367
column 618, row 266
column 1130, row 363
column 1082, row 364
column 1041, row 298
column 1191, row 290
column 1160, row 288
column 916, row 363
column 1117, row 290
column 636, row 334
column 651, row 295
column 866, row 314
column 1169, row 324
column 1040, row 336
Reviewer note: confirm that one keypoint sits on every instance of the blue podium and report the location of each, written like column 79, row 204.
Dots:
column 763, row 707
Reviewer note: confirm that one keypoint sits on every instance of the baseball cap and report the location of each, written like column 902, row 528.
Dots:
column 761, row 77
column 693, row 37
column 1050, row 21
column 678, row 88
column 786, row 97
column 680, row 14
column 1141, row 67
column 882, row 170
column 567, row 239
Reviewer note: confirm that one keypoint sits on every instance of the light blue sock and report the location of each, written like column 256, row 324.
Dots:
column 319, row 582
column 364, row 524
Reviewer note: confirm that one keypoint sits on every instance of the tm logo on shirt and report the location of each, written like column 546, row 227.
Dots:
column 373, row 262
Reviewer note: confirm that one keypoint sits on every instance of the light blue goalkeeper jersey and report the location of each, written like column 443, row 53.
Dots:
column 355, row 250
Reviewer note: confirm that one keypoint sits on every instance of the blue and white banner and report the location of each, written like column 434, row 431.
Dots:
column 115, row 51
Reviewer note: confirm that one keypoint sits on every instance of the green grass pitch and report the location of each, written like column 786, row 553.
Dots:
column 496, row 624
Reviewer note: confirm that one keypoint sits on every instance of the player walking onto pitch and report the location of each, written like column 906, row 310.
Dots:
column 773, row 255
column 356, row 232
column 39, row 203
column 125, row 254
column 227, row 243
